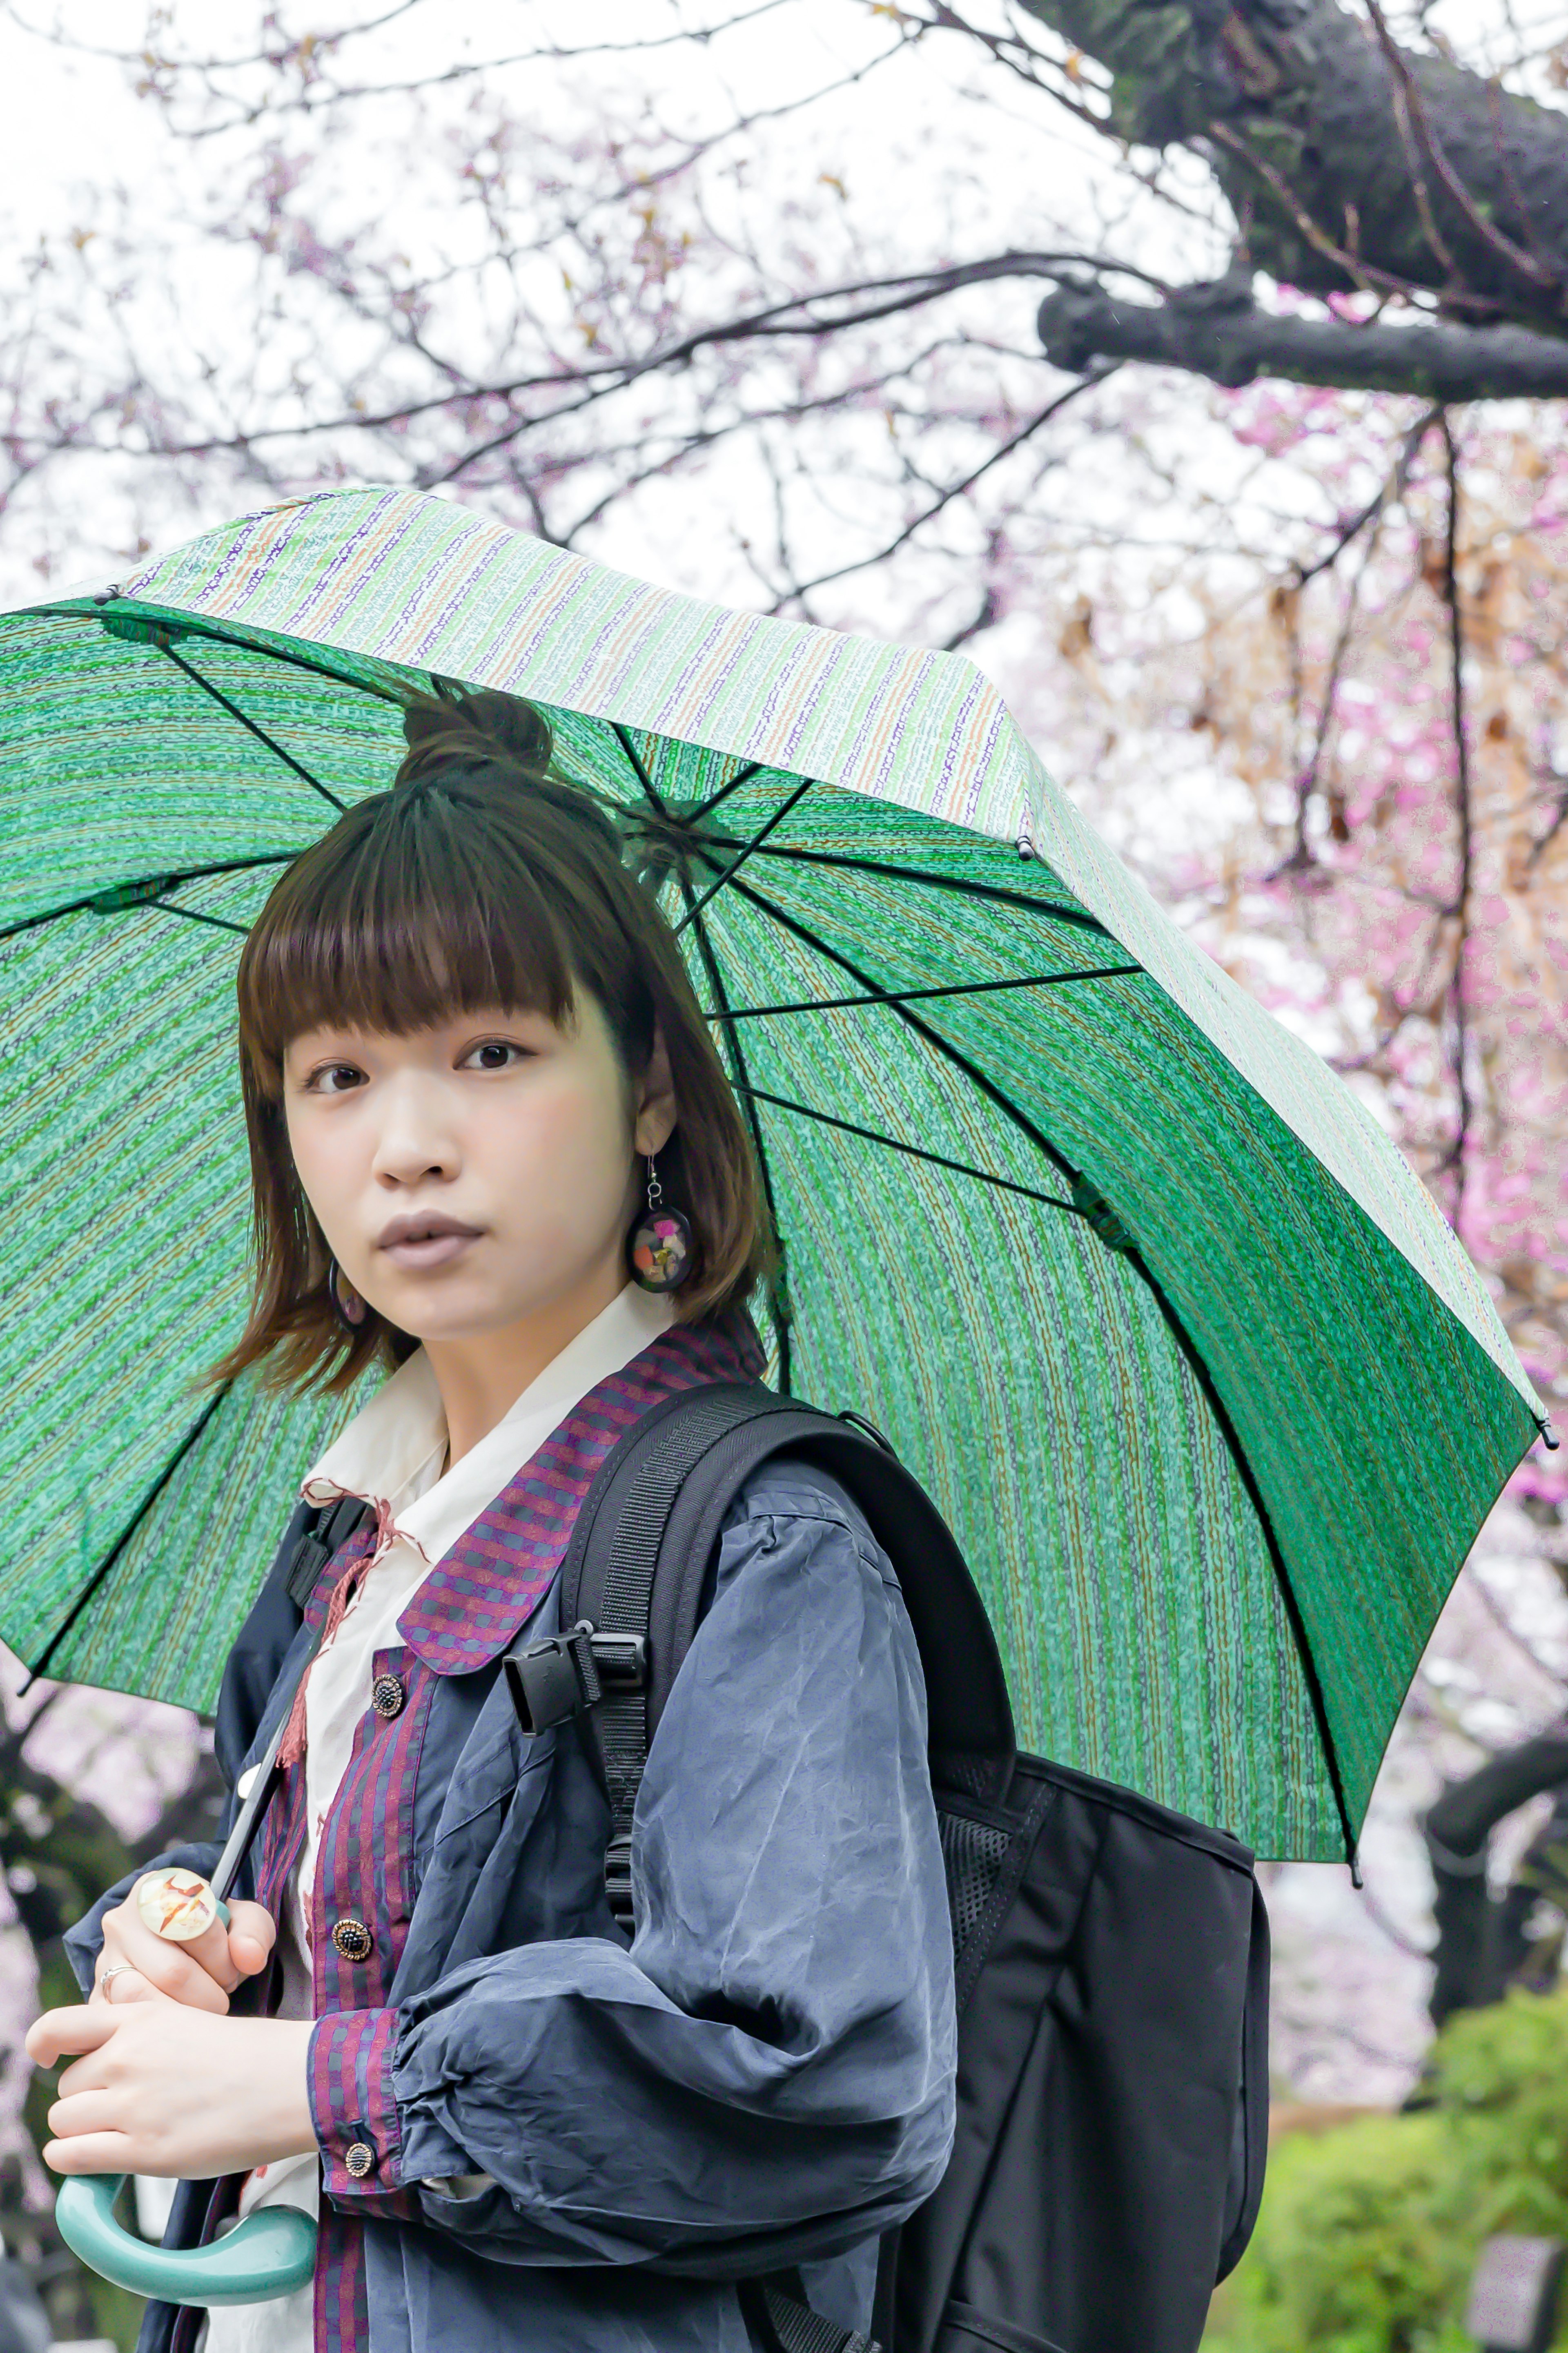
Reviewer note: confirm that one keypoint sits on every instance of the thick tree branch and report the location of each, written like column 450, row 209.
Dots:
column 1350, row 157
column 1218, row 331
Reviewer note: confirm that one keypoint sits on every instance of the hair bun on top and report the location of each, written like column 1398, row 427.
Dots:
column 475, row 729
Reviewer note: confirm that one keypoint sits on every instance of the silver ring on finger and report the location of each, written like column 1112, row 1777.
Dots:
column 118, row 1969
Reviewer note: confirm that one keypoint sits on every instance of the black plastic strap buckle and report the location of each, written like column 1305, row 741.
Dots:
column 784, row 2323
column 560, row 1674
column 335, row 1522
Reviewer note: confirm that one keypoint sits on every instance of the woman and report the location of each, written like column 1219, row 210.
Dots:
column 473, row 1071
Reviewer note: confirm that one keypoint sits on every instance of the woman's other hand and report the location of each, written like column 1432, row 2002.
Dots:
column 155, row 2088
column 201, row 1975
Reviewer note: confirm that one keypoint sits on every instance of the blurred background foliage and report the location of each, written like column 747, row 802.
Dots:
column 1370, row 2227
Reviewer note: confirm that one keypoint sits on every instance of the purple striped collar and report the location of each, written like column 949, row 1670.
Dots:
column 487, row 1585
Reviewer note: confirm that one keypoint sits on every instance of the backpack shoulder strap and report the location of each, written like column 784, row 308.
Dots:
column 633, row 1576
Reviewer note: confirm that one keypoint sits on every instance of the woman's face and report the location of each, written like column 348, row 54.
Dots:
column 470, row 1175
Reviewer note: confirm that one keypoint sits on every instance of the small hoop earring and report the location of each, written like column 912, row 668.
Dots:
column 660, row 1249
column 351, row 1309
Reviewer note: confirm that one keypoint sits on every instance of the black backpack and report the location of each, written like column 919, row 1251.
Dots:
column 1111, row 1957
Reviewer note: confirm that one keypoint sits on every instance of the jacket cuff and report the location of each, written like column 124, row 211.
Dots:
column 348, row 2075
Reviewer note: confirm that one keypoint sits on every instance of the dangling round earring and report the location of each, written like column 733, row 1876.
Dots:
column 351, row 1307
column 660, row 1248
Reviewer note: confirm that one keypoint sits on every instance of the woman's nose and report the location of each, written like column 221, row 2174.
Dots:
column 416, row 1141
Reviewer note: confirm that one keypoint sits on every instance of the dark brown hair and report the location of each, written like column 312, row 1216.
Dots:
column 481, row 877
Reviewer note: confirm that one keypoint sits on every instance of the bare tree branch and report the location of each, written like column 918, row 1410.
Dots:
column 946, row 497
column 1456, row 1158
column 1390, row 491
column 1217, row 331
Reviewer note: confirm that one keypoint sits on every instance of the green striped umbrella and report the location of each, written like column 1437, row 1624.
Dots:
column 1210, row 1393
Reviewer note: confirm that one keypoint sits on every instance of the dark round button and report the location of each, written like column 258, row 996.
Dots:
column 359, row 2159
column 352, row 1940
column 387, row 1695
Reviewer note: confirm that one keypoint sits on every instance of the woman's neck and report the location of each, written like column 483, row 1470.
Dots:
column 481, row 1375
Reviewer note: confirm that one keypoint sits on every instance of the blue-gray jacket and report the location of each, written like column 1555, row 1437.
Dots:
column 766, row 2078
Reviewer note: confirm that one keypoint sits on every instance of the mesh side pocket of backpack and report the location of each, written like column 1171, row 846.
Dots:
column 973, row 1855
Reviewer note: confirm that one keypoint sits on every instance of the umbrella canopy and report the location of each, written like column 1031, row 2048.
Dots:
column 1210, row 1393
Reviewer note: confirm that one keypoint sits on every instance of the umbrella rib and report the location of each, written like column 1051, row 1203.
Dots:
column 623, row 738
column 954, row 1054
column 992, row 891
column 696, row 906
column 742, row 777
column 738, row 1072
column 907, row 995
column 194, row 915
column 36, row 1672
column 778, row 1308
column 1201, row 1372
column 164, row 882
column 260, row 734
column 1316, row 1696
column 189, row 627
column 914, row 1151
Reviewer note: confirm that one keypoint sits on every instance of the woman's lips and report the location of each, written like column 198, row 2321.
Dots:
column 431, row 1250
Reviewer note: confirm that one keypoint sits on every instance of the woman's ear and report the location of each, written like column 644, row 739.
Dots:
column 656, row 1107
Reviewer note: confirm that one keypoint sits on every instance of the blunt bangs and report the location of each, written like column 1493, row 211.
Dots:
column 410, row 920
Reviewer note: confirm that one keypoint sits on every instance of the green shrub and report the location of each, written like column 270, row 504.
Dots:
column 1501, row 2077
column 1350, row 2255
column 1370, row 2232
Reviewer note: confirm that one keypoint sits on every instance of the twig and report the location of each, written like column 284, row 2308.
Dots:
column 955, row 490
column 1390, row 488
column 1022, row 58
column 277, row 58
column 1361, row 273
column 795, row 315
column 1395, row 1934
column 1505, row 165
column 1459, row 907
column 1307, row 783
column 17, row 1735
column 1389, row 492
column 1400, row 96
column 1555, row 824
column 1411, row 105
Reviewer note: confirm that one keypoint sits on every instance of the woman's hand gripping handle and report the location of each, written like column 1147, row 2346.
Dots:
column 202, row 1971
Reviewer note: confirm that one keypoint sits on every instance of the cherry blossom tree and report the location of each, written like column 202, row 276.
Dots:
column 1190, row 365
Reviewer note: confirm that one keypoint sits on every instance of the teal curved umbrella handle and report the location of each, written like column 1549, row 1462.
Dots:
column 268, row 2254
column 273, row 2251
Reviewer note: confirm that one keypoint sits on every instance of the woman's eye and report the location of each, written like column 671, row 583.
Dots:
column 336, row 1079
column 493, row 1054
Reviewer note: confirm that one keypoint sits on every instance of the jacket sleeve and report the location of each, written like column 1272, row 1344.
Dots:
column 247, row 1681
column 766, row 2076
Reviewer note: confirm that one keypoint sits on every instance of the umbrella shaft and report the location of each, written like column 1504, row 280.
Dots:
column 268, row 1773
